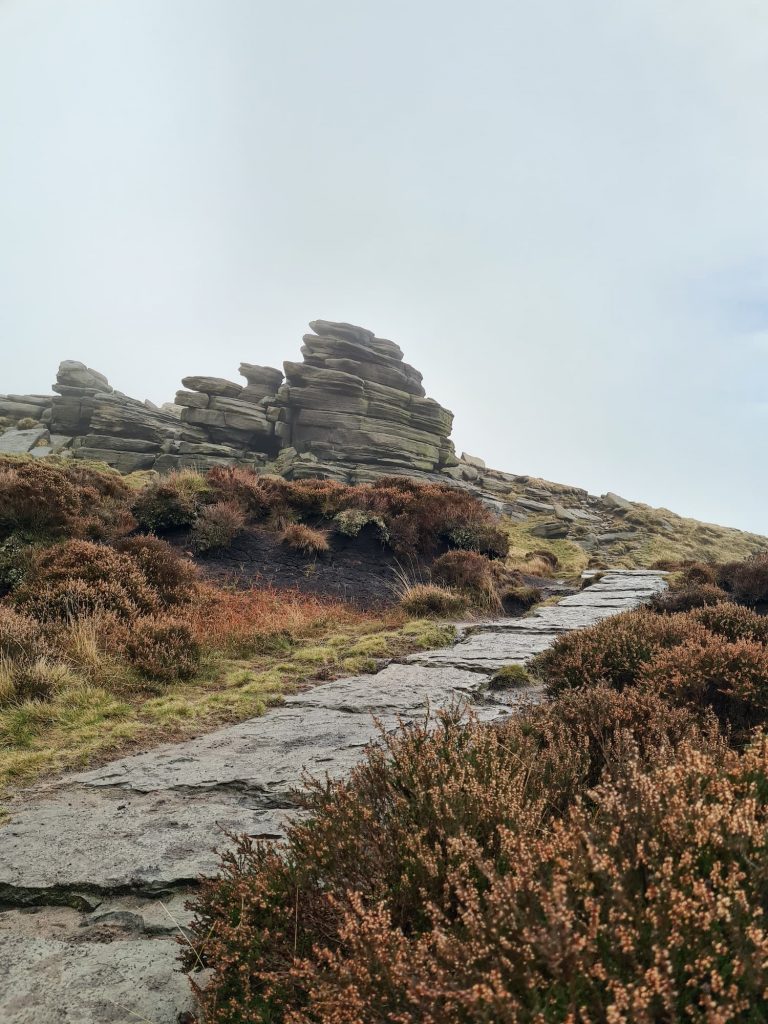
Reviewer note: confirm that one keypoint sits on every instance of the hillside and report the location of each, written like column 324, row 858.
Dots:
column 351, row 411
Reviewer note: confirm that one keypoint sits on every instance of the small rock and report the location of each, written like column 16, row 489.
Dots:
column 616, row 501
column 473, row 460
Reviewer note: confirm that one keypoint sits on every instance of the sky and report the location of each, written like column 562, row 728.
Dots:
column 558, row 210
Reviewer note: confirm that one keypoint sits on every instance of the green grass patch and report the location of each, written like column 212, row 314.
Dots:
column 571, row 557
column 85, row 722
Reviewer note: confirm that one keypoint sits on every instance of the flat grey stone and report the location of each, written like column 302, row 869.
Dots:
column 19, row 442
column 324, row 730
column 88, row 840
column 48, row 981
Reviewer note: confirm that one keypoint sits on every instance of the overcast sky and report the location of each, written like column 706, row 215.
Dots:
column 559, row 210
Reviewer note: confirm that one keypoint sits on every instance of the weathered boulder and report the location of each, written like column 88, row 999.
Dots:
column 73, row 374
column 213, row 386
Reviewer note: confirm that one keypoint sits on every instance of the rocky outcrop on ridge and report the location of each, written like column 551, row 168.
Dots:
column 353, row 409
column 231, row 414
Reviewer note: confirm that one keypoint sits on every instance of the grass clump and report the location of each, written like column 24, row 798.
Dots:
column 468, row 572
column 217, row 525
column 171, row 501
column 429, row 599
column 537, row 556
column 510, row 677
column 351, row 521
column 305, row 539
column 517, row 599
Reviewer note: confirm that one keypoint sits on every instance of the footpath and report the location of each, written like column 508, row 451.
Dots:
column 95, row 868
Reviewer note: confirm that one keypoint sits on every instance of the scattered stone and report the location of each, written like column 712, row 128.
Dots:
column 472, row 460
column 213, row 386
column 551, row 530
column 534, row 506
column 615, row 501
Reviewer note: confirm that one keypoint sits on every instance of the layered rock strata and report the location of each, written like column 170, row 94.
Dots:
column 231, row 414
column 353, row 400
column 353, row 409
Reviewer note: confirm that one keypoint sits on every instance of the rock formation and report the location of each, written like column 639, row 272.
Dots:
column 353, row 409
column 353, row 401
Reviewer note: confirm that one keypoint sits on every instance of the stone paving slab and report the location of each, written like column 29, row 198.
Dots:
column 122, row 843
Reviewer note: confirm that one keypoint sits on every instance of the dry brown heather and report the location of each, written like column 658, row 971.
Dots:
column 603, row 857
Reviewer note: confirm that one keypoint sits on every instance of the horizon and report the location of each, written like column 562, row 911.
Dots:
column 559, row 215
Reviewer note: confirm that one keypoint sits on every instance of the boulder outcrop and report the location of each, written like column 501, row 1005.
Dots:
column 352, row 409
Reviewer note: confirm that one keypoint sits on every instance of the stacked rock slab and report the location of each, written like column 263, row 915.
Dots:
column 233, row 415
column 108, row 426
column 353, row 401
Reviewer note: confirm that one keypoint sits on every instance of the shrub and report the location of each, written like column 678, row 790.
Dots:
column 319, row 498
column 352, row 520
column 44, row 499
column 162, row 648
column 217, row 526
column 305, row 539
column 733, row 621
column 614, row 651
column 510, row 677
column 699, row 573
column 421, row 887
column 425, row 600
column 728, row 676
column 172, row 576
column 15, row 557
column 170, row 502
column 697, row 595
column 466, row 570
column 418, row 516
column 79, row 577
column 27, row 422
column 20, row 636
column 486, row 539
column 747, row 581
column 68, row 599
column 257, row 495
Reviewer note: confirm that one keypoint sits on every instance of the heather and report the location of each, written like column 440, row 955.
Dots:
column 111, row 634
column 601, row 857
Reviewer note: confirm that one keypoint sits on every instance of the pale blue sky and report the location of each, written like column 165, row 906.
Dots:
column 559, row 210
